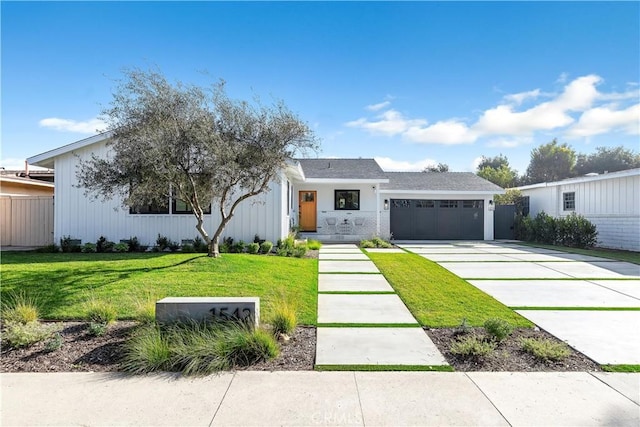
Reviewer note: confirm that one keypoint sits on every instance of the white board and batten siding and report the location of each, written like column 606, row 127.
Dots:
column 85, row 218
column 610, row 201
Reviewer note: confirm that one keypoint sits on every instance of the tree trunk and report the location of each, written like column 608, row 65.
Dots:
column 214, row 248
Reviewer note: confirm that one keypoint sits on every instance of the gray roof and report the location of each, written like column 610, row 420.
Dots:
column 438, row 181
column 342, row 169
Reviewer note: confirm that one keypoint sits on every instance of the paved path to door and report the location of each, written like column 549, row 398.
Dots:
column 591, row 303
column 361, row 320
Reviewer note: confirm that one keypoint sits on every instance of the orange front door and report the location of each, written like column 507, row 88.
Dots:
column 307, row 210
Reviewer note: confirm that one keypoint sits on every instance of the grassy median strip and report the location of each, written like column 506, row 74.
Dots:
column 576, row 308
column 63, row 283
column 612, row 254
column 438, row 298
column 621, row 368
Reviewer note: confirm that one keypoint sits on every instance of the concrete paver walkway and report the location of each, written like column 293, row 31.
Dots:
column 322, row 398
column 352, row 310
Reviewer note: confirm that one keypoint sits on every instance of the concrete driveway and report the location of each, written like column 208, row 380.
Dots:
column 591, row 303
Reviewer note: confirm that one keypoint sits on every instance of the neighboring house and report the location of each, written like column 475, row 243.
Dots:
column 611, row 201
column 327, row 199
column 26, row 211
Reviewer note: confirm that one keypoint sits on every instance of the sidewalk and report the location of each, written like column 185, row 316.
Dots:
column 322, row 398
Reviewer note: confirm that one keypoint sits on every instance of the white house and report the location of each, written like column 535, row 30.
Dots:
column 611, row 201
column 328, row 199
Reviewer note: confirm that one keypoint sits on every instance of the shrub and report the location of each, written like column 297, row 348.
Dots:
column 20, row 308
column 187, row 249
column 238, row 247
column 375, row 242
column 147, row 351
column 134, row 244
column 545, row 349
column 101, row 311
column 253, row 248
column 299, row 251
column 104, row 245
column 266, row 247
column 472, row 346
column 545, row 229
column 121, row 247
column 67, row 244
column 284, row 319
column 89, row 248
column 498, row 329
column 577, row 232
column 18, row 335
column 54, row 343
column 223, row 248
column 314, row 245
column 97, row 329
column 200, row 245
column 367, row 244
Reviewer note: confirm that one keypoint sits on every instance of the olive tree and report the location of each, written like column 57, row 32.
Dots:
column 172, row 140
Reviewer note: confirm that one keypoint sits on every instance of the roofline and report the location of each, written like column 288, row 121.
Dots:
column 580, row 179
column 28, row 181
column 346, row 181
column 487, row 192
column 43, row 158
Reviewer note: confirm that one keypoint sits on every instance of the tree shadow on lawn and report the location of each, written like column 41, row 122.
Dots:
column 9, row 258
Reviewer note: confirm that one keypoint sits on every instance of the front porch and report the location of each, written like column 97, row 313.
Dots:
column 341, row 226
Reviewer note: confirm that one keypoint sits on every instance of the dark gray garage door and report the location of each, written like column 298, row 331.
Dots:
column 413, row 219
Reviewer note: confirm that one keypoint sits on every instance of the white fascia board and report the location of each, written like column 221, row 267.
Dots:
column 46, row 159
column 345, row 181
column 27, row 181
column 580, row 179
column 440, row 192
column 294, row 171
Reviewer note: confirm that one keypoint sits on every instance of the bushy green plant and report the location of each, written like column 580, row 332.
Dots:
column 238, row 247
column 266, row 247
column 375, row 242
column 97, row 329
column 147, row 351
column 18, row 335
column 199, row 245
column 88, row 248
column 134, row 244
column 20, row 307
column 498, row 329
column 314, row 245
column 104, row 245
column 162, row 242
column 145, row 309
column 223, row 248
column 100, row 311
column 253, row 248
column 367, row 244
column 284, row 319
column 472, row 346
column 68, row 244
column 187, row 249
column 54, row 343
column 299, row 251
column 577, row 232
column 545, row 349
column 287, row 248
column 120, row 247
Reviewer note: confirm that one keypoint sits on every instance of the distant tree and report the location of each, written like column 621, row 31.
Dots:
column 510, row 197
column 551, row 162
column 440, row 167
column 190, row 143
column 493, row 162
column 497, row 170
column 607, row 160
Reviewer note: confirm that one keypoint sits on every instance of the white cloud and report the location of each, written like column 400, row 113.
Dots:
column 94, row 125
column 448, row 132
column 379, row 106
column 389, row 165
column 578, row 110
column 604, row 119
column 389, row 123
column 562, row 78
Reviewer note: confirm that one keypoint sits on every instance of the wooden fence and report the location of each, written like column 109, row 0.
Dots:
column 26, row 220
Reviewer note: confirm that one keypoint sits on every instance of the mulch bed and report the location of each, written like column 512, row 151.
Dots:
column 82, row 352
column 508, row 355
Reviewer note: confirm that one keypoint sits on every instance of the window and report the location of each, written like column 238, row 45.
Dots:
column 181, row 207
column 153, row 208
column 475, row 204
column 425, row 204
column 401, row 203
column 448, row 204
column 347, row 200
column 569, row 201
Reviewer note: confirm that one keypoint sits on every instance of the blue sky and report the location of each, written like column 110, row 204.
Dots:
column 410, row 84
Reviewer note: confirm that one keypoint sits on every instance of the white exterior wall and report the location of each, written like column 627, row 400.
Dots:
column 612, row 204
column 385, row 216
column 87, row 219
column 326, row 204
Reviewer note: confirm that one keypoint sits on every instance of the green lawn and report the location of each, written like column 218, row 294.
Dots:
column 438, row 298
column 628, row 256
column 62, row 283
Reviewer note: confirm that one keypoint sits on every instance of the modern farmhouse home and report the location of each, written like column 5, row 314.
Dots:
column 327, row 199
